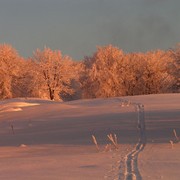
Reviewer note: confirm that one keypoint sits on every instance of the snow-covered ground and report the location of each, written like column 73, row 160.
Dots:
column 42, row 139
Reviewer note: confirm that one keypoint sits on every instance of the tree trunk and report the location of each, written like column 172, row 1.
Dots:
column 51, row 93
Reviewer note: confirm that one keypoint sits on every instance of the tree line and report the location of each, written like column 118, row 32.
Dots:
column 109, row 72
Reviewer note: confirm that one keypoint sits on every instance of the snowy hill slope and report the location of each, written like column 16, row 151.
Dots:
column 56, row 136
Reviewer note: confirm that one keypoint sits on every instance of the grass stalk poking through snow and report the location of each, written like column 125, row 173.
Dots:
column 175, row 134
column 172, row 144
column 95, row 142
column 12, row 128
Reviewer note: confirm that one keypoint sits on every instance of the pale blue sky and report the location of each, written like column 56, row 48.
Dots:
column 76, row 27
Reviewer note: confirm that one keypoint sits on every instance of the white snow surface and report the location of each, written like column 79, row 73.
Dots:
column 42, row 139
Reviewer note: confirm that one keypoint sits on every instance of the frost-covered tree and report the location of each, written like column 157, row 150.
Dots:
column 132, row 73
column 110, row 72
column 175, row 67
column 156, row 78
column 102, row 73
column 53, row 73
column 9, row 70
column 23, row 85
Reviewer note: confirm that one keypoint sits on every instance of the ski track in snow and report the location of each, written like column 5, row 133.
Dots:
column 131, row 159
column 126, row 167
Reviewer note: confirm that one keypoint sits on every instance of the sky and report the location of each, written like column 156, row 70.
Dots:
column 77, row 27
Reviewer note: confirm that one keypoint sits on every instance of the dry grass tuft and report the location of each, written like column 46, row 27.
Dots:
column 113, row 140
column 110, row 146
